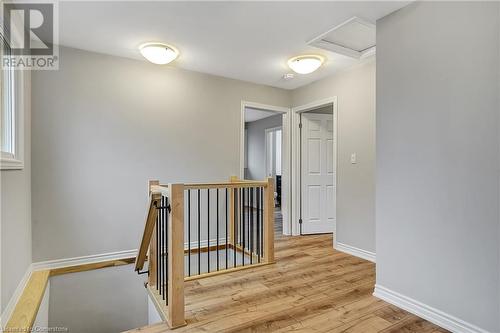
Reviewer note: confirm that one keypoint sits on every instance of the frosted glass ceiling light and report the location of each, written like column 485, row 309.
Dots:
column 158, row 53
column 305, row 64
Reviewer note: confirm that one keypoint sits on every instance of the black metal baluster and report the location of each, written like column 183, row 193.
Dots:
column 217, row 240
column 247, row 224
column 208, row 230
column 189, row 232
column 162, row 221
column 163, row 247
column 258, row 223
column 240, row 225
column 243, row 227
column 199, row 234
column 235, row 229
column 262, row 221
column 157, row 251
column 251, row 226
column 248, row 219
column 245, row 218
column 160, row 249
column 226, row 225
column 165, row 217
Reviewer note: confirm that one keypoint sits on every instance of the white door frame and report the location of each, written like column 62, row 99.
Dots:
column 285, row 157
column 295, row 139
column 273, row 129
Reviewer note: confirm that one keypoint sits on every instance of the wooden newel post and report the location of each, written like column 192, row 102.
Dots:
column 269, row 221
column 232, row 205
column 152, row 244
column 176, row 256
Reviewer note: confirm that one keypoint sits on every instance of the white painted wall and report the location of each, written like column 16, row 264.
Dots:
column 99, row 301
column 103, row 126
column 355, row 90
column 438, row 158
column 15, row 213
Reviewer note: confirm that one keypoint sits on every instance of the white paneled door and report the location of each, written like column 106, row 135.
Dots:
column 318, row 173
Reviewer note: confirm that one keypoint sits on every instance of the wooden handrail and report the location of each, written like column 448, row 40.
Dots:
column 233, row 184
column 26, row 309
column 149, row 227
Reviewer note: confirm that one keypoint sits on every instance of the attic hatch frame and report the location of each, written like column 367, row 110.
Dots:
column 322, row 43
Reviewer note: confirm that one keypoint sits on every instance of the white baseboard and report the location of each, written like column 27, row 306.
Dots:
column 9, row 308
column 95, row 258
column 426, row 312
column 354, row 251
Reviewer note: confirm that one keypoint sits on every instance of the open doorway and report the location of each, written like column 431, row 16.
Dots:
column 273, row 160
column 264, row 154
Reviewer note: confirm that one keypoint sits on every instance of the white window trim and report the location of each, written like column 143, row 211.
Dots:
column 15, row 161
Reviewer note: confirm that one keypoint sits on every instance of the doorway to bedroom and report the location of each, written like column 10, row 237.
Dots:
column 264, row 154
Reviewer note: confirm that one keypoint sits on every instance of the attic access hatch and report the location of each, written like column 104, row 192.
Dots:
column 354, row 38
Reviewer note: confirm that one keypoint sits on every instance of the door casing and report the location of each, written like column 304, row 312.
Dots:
column 286, row 155
column 296, row 161
column 267, row 131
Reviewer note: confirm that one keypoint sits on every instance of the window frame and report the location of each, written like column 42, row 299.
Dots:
column 13, row 159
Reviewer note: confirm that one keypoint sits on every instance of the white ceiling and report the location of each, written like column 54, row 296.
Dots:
column 250, row 41
column 252, row 114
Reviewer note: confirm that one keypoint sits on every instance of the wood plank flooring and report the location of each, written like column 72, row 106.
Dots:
column 311, row 288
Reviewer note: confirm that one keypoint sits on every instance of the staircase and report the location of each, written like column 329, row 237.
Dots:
column 193, row 231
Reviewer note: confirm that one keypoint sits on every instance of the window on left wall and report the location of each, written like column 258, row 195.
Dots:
column 11, row 115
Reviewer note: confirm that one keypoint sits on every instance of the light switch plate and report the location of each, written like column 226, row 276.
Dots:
column 353, row 158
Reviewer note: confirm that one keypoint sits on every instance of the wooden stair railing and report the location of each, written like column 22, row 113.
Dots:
column 243, row 213
column 149, row 227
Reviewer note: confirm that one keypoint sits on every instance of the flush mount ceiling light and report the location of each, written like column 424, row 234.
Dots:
column 305, row 64
column 158, row 53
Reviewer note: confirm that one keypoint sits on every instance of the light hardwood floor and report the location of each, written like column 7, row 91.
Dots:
column 311, row 288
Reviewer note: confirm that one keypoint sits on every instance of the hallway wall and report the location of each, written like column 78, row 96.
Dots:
column 438, row 159
column 355, row 91
column 15, row 213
